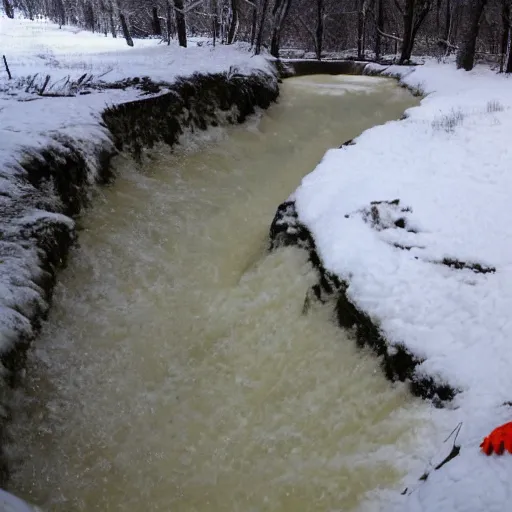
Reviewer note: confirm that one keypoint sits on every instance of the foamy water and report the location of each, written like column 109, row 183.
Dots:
column 177, row 371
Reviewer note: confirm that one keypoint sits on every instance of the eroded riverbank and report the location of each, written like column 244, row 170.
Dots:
column 177, row 370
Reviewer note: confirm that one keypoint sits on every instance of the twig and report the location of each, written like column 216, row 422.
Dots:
column 7, row 68
column 456, row 429
column 455, row 448
column 103, row 74
column 453, row 453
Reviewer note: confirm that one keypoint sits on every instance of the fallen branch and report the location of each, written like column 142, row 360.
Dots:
column 7, row 68
column 389, row 36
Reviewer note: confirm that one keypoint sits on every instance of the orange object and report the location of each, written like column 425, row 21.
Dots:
column 499, row 440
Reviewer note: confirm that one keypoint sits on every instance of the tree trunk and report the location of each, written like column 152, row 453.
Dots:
column 215, row 21
column 259, row 37
column 126, row 31
column 9, row 9
column 408, row 28
column 380, row 27
column 508, row 69
column 438, row 16
column 233, row 22
column 168, row 21
column 254, row 24
column 447, row 26
column 505, row 18
column 181, row 26
column 418, row 18
column 157, row 28
column 319, row 32
column 456, row 16
column 466, row 54
column 89, row 17
column 30, row 10
column 360, row 29
column 111, row 17
column 280, row 11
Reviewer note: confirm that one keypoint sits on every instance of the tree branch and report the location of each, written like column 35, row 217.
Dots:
column 188, row 8
column 447, row 44
column 389, row 36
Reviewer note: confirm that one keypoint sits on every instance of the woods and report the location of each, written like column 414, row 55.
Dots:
column 390, row 30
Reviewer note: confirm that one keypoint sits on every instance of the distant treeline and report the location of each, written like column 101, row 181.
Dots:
column 373, row 29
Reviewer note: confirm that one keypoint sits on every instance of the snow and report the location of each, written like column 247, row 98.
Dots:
column 449, row 165
column 9, row 503
column 40, row 47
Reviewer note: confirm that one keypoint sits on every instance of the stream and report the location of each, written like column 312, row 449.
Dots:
column 177, row 371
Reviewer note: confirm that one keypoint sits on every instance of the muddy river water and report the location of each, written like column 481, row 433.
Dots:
column 176, row 371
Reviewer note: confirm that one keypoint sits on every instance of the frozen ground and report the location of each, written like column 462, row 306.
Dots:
column 449, row 164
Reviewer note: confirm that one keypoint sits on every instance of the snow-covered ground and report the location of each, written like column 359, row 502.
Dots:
column 41, row 48
column 449, row 164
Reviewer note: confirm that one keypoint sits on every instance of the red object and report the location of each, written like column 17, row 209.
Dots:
column 499, row 440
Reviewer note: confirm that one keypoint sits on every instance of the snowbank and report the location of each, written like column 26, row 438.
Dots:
column 415, row 219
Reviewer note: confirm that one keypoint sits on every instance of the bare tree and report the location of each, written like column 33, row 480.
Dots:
column 124, row 26
column 319, row 32
column 466, row 54
column 261, row 27
column 379, row 25
column 157, row 27
column 279, row 13
column 433, row 27
column 233, row 22
column 181, row 27
column 361, row 21
column 413, row 17
column 110, row 12
column 8, row 8
column 505, row 34
column 254, row 23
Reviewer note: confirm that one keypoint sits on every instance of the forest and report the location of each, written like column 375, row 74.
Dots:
column 380, row 30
